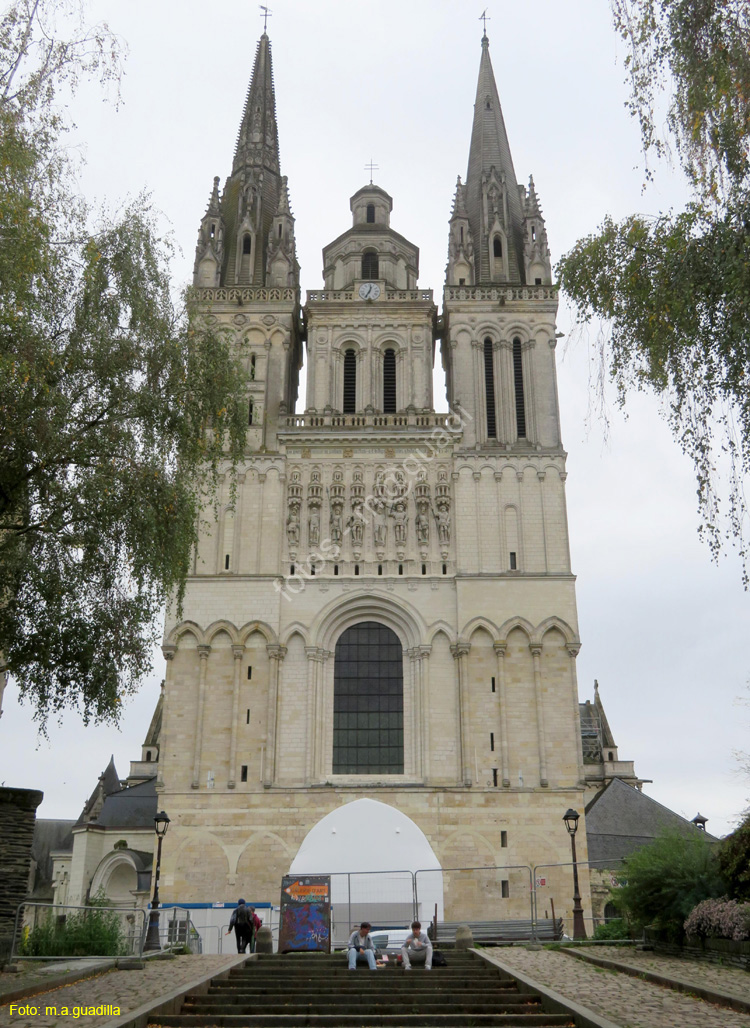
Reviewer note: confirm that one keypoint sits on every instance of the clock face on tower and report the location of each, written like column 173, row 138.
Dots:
column 369, row 291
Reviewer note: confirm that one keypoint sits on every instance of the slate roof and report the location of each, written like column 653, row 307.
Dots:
column 621, row 819
column 49, row 835
column 134, row 807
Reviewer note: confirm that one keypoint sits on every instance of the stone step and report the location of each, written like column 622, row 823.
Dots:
column 358, row 987
column 486, row 1003
column 364, row 1018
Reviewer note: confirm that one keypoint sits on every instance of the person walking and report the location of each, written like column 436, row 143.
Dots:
column 417, row 947
column 242, row 922
column 360, row 943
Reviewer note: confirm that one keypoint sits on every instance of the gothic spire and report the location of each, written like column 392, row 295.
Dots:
column 258, row 139
column 492, row 195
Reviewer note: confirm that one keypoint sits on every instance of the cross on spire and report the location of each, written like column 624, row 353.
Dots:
column 267, row 13
column 371, row 168
column 484, row 18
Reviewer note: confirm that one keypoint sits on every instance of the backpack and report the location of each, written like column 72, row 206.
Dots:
column 438, row 959
column 243, row 916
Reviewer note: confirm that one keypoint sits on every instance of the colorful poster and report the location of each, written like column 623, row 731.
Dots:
column 305, row 914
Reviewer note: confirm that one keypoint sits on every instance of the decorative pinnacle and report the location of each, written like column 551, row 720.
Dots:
column 267, row 13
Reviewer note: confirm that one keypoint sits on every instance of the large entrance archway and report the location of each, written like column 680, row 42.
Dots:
column 372, row 851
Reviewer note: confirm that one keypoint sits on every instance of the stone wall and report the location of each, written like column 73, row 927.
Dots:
column 17, row 817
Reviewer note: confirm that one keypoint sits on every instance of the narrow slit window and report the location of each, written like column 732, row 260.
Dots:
column 489, row 388
column 492, row 741
column 243, row 773
column 356, row 569
column 249, row 673
column 503, row 840
column 252, row 367
column 494, row 776
column 213, row 230
column 493, row 684
column 380, row 569
column 350, row 382
column 247, row 244
column 226, row 562
column 291, row 569
column 497, row 247
column 370, row 214
column 312, row 570
column 335, row 569
column 505, row 889
column 389, row 382
column 424, row 569
column 247, row 717
column 513, row 561
column 518, row 383
column 250, row 412
column 401, row 569
column 445, row 569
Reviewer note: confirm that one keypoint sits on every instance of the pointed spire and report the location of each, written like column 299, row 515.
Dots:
column 214, row 208
column 284, row 206
column 532, row 201
column 258, row 139
column 492, row 196
column 459, row 201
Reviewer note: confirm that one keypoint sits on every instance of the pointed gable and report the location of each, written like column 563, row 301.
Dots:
column 492, row 195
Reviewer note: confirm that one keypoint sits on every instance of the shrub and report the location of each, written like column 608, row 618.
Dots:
column 662, row 882
column 719, row 919
column 95, row 931
column 734, row 861
column 615, row 929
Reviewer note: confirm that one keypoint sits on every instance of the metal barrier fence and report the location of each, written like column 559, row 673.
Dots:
column 385, row 898
column 43, row 931
column 478, row 888
column 548, row 878
column 177, row 931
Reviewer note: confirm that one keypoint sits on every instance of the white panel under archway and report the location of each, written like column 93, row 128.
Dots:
column 372, row 852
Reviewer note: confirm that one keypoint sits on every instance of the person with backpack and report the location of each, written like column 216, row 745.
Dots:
column 242, row 922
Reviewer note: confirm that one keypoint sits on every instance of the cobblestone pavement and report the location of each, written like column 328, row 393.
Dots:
column 732, row 981
column 628, row 1002
column 124, row 989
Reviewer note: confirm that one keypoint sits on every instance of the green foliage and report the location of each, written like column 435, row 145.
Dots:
column 615, row 929
column 96, row 932
column 674, row 290
column 734, row 861
column 118, row 409
column 663, row 881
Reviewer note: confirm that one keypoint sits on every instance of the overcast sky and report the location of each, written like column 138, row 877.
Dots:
column 662, row 627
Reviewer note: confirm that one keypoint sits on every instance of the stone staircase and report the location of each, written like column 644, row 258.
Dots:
column 317, row 989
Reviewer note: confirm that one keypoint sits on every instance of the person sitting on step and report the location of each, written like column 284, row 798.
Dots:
column 417, row 947
column 360, row 944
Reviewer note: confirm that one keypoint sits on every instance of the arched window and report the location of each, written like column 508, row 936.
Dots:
column 518, row 383
column 369, row 264
column 497, row 247
column 489, row 389
column 350, row 382
column 389, row 381
column 371, row 214
column 247, row 243
column 368, row 702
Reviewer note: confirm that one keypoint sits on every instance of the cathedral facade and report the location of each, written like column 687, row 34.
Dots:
column 384, row 608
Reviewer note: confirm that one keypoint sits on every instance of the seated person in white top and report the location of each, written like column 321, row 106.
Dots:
column 417, row 947
column 361, row 943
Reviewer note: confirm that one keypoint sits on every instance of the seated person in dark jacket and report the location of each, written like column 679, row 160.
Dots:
column 361, row 943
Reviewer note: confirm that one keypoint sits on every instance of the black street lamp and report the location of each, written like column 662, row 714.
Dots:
column 570, row 820
column 161, row 824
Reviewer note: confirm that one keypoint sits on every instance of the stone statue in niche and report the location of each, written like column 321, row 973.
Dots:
column 292, row 526
column 380, row 525
column 444, row 525
column 400, row 523
column 357, row 525
column 422, row 523
column 337, row 526
column 313, row 526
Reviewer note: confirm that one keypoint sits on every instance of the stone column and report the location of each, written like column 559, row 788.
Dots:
column 276, row 654
column 323, row 717
column 203, row 652
column 313, row 722
column 461, row 656
column 238, row 652
column 500, row 648
column 169, row 652
column 541, row 475
column 536, row 654
column 424, row 684
column 416, row 714
column 573, row 651
column 17, row 817
column 238, row 509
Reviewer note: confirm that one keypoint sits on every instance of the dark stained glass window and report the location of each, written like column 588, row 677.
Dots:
column 369, row 264
column 350, row 382
column 389, row 382
column 368, row 702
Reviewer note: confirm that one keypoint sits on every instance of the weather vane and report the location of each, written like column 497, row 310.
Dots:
column 267, row 13
column 484, row 17
column 371, row 167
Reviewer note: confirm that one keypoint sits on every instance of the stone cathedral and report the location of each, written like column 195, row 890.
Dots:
column 384, row 610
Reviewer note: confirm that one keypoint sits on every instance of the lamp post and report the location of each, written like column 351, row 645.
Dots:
column 161, row 824
column 570, row 821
